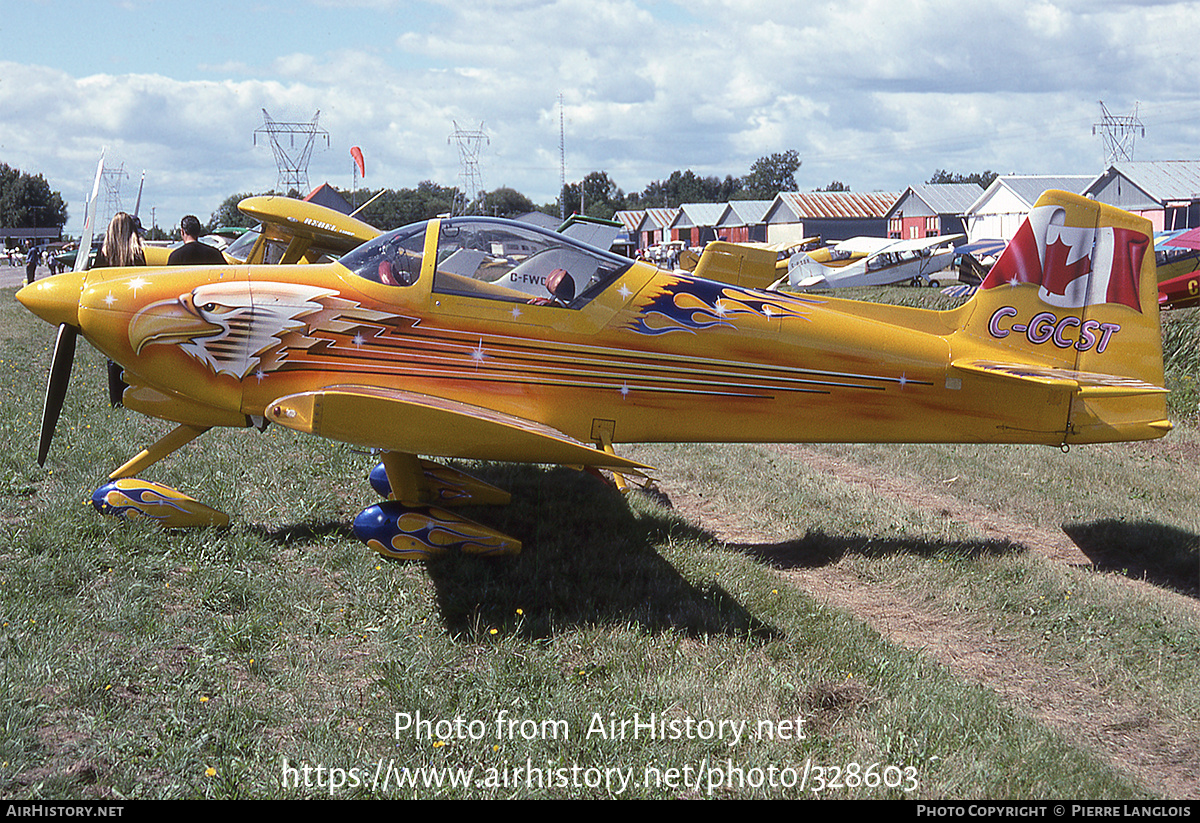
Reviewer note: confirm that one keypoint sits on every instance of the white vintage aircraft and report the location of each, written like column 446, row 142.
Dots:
column 884, row 262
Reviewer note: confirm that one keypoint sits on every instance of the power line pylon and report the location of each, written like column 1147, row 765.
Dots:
column 1119, row 133
column 112, row 194
column 469, row 145
column 292, row 164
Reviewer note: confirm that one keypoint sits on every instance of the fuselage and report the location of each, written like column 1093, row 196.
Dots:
column 635, row 353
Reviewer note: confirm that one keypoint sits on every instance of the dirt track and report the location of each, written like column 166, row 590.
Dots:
column 1125, row 734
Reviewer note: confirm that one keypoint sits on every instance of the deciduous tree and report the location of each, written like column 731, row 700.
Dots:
column 983, row 178
column 26, row 201
column 772, row 174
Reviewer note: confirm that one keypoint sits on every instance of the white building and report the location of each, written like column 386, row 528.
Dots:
column 1167, row 192
column 1000, row 210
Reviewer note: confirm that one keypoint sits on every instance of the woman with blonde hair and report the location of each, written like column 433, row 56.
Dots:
column 122, row 243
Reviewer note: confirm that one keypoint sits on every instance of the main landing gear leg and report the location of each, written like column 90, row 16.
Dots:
column 129, row 497
column 406, row 526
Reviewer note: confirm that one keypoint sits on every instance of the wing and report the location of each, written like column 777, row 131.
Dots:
column 419, row 424
column 303, row 231
column 864, row 245
column 1189, row 239
column 923, row 243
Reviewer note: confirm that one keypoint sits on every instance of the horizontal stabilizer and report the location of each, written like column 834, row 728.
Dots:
column 1086, row 384
column 419, row 424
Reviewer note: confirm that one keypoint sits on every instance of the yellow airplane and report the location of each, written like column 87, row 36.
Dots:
column 751, row 265
column 481, row 338
column 288, row 231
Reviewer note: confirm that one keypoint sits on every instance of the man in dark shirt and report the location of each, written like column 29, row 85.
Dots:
column 193, row 252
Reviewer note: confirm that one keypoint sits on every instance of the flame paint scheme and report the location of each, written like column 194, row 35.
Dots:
column 130, row 497
column 488, row 339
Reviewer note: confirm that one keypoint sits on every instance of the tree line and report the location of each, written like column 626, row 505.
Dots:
column 26, row 201
column 597, row 195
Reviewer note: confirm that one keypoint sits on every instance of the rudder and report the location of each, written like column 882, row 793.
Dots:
column 1073, row 303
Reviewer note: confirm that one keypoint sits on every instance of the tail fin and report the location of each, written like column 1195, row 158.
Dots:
column 1073, row 304
column 746, row 266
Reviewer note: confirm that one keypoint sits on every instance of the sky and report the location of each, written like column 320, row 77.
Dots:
column 876, row 94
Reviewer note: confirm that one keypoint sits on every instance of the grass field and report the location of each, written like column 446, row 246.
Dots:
column 833, row 621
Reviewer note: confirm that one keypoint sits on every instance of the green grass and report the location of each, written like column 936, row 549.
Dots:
column 141, row 663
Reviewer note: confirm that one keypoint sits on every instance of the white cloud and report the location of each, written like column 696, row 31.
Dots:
column 878, row 94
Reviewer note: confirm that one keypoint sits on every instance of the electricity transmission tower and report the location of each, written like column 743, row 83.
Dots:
column 1119, row 133
column 112, row 194
column 469, row 145
column 292, row 163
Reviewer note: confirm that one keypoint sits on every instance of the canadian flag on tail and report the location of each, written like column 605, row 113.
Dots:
column 1072, row 266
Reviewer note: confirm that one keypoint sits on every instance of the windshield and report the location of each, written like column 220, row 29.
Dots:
column 240, row 249
column 393, row 259
column 519, row 262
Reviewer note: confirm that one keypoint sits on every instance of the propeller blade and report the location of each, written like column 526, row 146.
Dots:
column 56, row 386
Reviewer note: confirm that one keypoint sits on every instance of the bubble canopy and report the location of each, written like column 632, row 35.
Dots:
column 491, row 258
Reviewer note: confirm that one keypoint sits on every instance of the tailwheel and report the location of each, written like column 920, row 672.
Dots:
column 406, row 532
column 131, row 498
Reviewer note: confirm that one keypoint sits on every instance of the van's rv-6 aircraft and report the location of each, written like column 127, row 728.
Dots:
column 487, row 339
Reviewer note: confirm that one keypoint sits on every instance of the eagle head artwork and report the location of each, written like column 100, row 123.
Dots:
column 227, row 326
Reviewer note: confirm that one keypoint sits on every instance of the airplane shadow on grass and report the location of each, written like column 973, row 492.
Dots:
column 1163, row 555
column 589, row 559
column 816, row 548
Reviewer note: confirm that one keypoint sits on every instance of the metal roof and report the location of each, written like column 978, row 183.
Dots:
column 944, row 198
column 692, row 215
column 744, row 213
column 1029, row 187
column 630, row 219
column 657, row 219
column 1164, row 180
column 831, row 204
